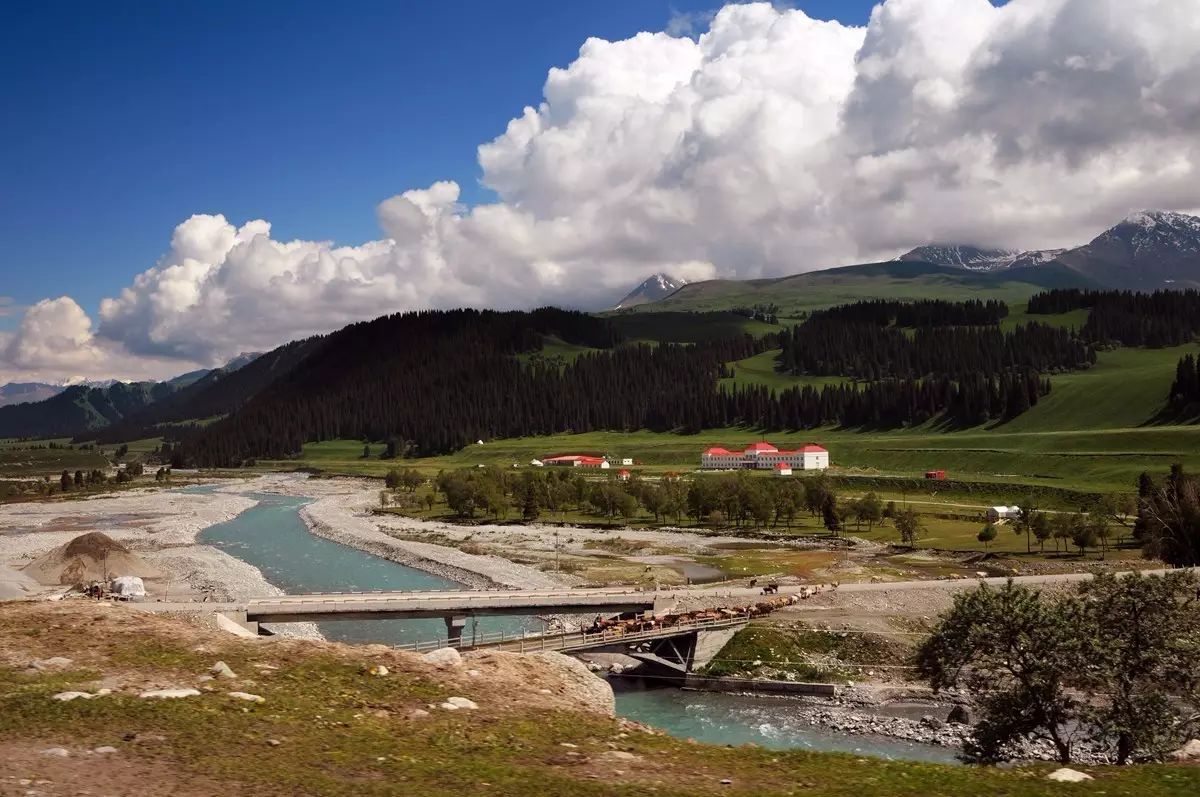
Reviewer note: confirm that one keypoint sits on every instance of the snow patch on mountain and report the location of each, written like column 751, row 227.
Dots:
column 655, row 287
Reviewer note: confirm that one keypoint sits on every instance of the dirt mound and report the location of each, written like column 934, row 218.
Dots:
column 87, row 558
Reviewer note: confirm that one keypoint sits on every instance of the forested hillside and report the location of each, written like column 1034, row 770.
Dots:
column 433, row 382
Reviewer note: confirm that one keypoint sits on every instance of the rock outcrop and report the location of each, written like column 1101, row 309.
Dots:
column 592, row 692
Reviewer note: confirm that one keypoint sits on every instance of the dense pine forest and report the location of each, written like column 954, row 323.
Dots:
column 829, row 347
column 433, row 382
column 1155, row 320
column 1184, row 398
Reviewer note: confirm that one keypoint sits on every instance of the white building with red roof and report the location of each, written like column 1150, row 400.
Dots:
column 765, row 456
column 577, row 461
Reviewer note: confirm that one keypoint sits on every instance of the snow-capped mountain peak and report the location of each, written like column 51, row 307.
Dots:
column 655, row 287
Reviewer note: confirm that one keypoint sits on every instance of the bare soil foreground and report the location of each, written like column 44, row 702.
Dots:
column 83, row 710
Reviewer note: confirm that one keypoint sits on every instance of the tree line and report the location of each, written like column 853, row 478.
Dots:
column 1183, row 399
column 920, row 313
column 1129, row 318
column 864, row 350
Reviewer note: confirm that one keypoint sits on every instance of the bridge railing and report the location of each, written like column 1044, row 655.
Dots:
column 571, row 640
column 440, row 595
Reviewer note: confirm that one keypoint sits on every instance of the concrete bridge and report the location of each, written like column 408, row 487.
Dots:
column 673, row 650
column 454, row 606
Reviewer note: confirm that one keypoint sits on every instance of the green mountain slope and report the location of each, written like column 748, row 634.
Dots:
column 802, row 293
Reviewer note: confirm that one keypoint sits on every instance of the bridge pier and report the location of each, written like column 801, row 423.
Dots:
column 455, row 623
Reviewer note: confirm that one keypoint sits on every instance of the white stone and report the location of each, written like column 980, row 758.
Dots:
column 248, row 697
column 52, row 663
column 443, row 657
column 57, row 752
column 379, row 670
column 66, row 697
column 1189, row 752
column 621, row 755
column 460, row 702
column 1068, row 775
column 105, row 750
column 417, row 713
column 222, row 670
column 165, row 694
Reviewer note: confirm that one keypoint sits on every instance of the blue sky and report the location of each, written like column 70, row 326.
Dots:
column 123, row 119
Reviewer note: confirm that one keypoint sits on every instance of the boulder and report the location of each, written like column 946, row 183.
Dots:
column 379, row 670
column 590, row 691
column 959, row 715
column 56, row 752
column 1189, row 752
column 1068, row 775
column 52, row 663
column 248, row 697
column 932, row 722
column 455, row 703
column 621, row 755
column 443, row 657
column 106, row 749
column 67, row 697
column 222, row 670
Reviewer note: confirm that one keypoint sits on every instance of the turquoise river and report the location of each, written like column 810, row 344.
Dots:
column 272, row 537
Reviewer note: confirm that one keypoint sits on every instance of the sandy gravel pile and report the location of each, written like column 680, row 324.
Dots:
column 87, row 558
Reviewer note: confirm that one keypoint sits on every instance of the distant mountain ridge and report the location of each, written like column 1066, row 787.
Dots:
column 974, row 258
column 67, row 410
column 1148, row 250
column 653, row 288
column 26, row 392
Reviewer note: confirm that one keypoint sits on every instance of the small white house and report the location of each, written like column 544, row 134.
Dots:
column 995, row 514
column 783, row 469
column 537, row 463
column 627, row 460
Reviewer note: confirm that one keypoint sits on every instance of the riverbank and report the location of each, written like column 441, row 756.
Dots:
column 159, row 526
column 340, row 511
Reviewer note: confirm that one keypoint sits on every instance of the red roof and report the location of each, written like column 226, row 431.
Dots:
column 590, row 460
column 717, row 451
column 624, row 472
column 763, row 446
column 812, row 448
column 782, row 466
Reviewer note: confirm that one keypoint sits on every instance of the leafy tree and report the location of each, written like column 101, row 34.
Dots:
column 1169, row 519
column 78, row 479
column 869, row 510
column 366, row 454
column 1143, row 661
column 986, row 535
column 1083, row 536
column 1064, row 526
column 1043, row 530
column 66, row 482
column 1023, row 524
column 1018, row 651
column 831, row 514
column 909, row 526
column 392, row 479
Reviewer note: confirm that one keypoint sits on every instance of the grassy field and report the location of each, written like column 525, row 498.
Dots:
column 34, row 459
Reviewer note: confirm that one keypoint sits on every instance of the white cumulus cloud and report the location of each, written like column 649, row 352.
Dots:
column 768, row 143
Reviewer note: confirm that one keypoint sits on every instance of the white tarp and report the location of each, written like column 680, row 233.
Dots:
column 128, row 587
